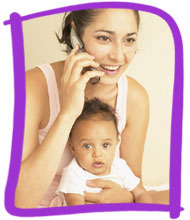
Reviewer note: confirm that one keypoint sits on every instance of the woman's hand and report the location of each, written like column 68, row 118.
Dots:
column 111, row 193
column 73, row 84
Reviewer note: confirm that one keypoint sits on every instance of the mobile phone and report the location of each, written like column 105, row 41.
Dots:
column 75, row 40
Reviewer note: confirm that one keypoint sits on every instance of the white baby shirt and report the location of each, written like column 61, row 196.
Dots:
column 74, row 178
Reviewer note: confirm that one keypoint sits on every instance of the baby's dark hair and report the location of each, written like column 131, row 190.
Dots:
column 95, row 108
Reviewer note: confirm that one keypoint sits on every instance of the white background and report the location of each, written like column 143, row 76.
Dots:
column 179, row 10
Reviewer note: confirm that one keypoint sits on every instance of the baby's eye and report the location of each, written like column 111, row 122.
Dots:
column 87, row 146
column 106, row 145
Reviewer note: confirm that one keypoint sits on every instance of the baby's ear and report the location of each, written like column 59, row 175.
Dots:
column 71, row 146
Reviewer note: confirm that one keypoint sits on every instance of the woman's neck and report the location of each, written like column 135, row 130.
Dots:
column 107, row 93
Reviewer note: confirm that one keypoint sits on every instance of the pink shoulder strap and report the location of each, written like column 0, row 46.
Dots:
column 49, row 75
column 121, row 106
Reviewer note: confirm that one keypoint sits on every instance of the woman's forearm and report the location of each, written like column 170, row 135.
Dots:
column 39, row 169
column 144, row 198
column 128, row 198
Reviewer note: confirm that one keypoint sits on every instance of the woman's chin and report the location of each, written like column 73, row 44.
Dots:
column 109, row 80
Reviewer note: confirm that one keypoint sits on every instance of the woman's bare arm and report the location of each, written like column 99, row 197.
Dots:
column 141, row 195
column 134, row 135
column 39, row 163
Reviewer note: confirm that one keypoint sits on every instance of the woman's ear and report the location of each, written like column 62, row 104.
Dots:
column 71, row 146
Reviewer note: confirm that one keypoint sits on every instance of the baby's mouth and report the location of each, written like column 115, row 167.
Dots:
column 98, row 164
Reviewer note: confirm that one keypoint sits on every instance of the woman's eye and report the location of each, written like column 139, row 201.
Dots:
column 130, row 40
column 103, row 38
column 106, row 145
column 87, row 146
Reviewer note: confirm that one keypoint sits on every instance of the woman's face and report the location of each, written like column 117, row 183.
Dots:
column 111, row 39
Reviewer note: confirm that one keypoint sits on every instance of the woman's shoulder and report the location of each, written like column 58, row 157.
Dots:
column 35, row 82
column 136, row 92
column 58, row 67
column 36, row 95
column 35, row 79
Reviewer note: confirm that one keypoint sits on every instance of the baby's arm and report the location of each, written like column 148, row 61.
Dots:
column 141, row 195
column 74, row 199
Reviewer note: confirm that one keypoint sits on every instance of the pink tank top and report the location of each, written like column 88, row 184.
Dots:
column 51, row 199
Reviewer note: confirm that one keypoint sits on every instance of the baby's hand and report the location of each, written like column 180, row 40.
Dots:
column 74, row 199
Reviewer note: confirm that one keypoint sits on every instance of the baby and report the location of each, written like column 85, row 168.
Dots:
column 93, row 140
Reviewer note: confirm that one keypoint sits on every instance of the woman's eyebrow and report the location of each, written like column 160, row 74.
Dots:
column 112, row 32
column 133, row 33
column 107, row 31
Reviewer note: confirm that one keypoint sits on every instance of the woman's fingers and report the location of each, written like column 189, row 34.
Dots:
column 99, row 183
column 87, row 76
column 78, row 68
column 111, row 192
column 74, row 60
column 92, row 198
column 73, row 51
column 73, row 83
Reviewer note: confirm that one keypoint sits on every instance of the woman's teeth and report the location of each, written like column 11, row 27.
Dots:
column 110, row 67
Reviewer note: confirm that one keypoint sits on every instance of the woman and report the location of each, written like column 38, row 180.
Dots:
column 55, row 97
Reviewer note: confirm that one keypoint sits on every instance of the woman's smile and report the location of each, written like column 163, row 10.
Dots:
column 112, row 46
column 110, row 69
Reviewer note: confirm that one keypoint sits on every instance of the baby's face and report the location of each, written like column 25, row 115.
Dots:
column 93, row 143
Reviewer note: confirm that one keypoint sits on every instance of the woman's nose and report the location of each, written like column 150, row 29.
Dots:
column 117, row 53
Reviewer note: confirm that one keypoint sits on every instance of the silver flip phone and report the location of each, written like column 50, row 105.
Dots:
column 75, row 40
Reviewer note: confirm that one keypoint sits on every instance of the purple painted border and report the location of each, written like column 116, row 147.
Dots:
column 19, row 113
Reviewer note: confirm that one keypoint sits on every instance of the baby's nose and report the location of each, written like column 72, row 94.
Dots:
column 97, row 152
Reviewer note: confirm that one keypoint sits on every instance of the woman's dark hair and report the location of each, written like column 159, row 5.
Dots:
column 137, row 17
column 95, row 108
column 81, row 19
